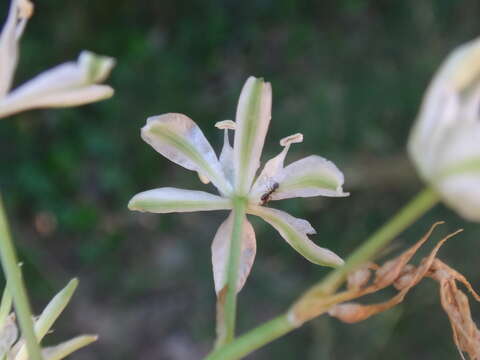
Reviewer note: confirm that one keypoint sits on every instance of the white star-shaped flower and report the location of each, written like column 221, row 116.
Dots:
column 179, row 139
column 68, row 84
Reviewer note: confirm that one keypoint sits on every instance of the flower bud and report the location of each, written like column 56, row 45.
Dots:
column 444, row 143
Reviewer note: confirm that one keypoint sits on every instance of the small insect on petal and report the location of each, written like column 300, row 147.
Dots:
column 268, row 178
column 266, row 197
column 310, row 176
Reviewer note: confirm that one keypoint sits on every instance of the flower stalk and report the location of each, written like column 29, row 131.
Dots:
column 306, row 308
column 254, row 339
column 227, row 299
column 17, row 287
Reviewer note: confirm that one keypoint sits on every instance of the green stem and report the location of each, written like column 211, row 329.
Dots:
column 254, row 339
column 283, row 324
column 17, row 288
column 227, row 298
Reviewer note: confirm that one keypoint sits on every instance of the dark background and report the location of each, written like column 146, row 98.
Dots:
column 347, row 74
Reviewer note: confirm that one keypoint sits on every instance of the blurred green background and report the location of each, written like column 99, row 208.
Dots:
column 348, row 74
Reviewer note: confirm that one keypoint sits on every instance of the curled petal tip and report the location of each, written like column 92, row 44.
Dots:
column 336, row 261
column 294, row 231
column 110, row 92
column 130, row 205
column 91, row 337
column 73, row 282
column 98, row 67
column 341, row 193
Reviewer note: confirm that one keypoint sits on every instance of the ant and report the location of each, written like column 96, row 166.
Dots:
column 266, row 197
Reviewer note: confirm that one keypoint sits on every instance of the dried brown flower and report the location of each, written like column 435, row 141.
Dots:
column 455, row 303
column 399, row 273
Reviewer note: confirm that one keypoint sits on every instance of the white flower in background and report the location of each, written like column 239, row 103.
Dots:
column 68, row 84
column 179, row 139
column 13, row 348
column 445, row 140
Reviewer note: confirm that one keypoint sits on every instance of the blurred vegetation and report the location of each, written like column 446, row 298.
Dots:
column 348, row 74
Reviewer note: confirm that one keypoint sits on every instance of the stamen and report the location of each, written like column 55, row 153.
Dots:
column 292, row 139
column 275, row 165
column 226, row 125
column 286, row 142
column 226, row 156
column 226, row 140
